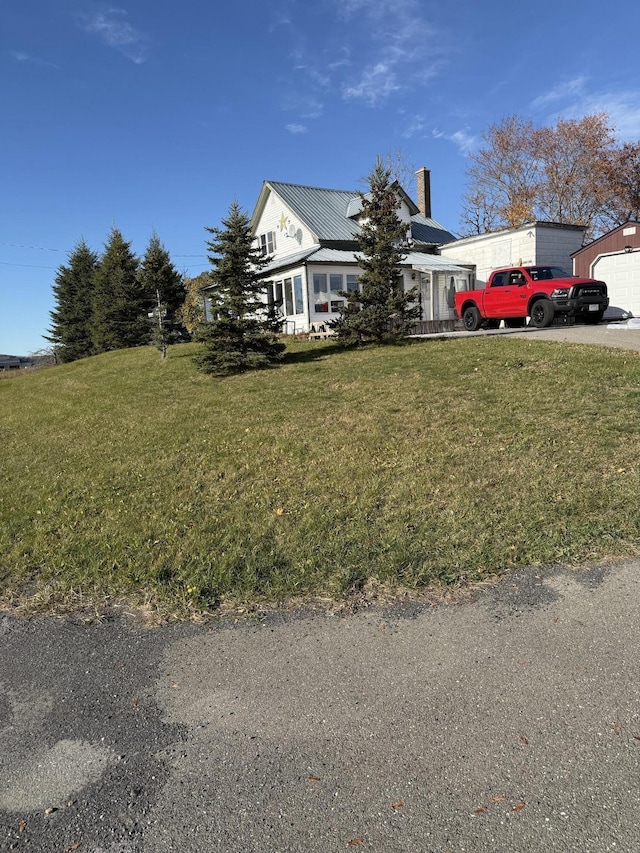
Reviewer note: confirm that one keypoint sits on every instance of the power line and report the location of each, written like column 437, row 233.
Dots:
column 33, row 266
column 49, row 249
column 39, row 248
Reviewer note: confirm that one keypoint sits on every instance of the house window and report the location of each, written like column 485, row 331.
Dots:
column 353, row 283
column 269, row 292
column 335, row 282
column 267, row 243
column 336, row 305
column 321, row 307
column 288, row 297
column 297, row 294
column 319, row 282
column 278, row 294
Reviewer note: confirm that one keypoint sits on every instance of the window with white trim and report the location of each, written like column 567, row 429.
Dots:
column 288, row 297
column 297, row 294
column 319, row 282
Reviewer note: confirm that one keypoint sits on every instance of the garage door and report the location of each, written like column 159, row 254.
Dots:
column 622, row 275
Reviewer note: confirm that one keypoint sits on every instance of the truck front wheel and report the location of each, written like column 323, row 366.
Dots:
column 541, row 313
column 471, row 319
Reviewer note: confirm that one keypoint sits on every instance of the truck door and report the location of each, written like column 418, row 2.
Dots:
column 506, row 297
column 494, row 296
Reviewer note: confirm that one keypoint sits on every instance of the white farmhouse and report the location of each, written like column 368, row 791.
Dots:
column 310, row 236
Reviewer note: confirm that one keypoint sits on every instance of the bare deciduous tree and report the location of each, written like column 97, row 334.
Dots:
column 571, row 173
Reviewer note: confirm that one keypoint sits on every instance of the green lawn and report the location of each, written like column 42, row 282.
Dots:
column 434, row 463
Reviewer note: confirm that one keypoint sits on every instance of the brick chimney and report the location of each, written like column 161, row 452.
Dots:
column 423, row 185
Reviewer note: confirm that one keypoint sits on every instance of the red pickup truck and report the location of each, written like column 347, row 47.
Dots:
column 538, row 292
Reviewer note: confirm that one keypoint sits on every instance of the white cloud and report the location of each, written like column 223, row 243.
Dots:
column 465, row 141
column 623, row 109
column 375, row 84
column 375, row 51
column 398, row 47
column 116, row 32
column 22, row 56
column 296, row 128
column 414, row 127
column 462, row 139
column 573, row 99
column 563, row 90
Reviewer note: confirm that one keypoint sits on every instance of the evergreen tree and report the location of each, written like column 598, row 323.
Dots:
column 119, row 306
column 164, row 295
column 70, row 331
column 240, row 336
column 380, row 311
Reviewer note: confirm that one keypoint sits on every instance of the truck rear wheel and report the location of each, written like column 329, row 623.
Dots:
column 541, row 313
column 592, row 319
column 471, row 319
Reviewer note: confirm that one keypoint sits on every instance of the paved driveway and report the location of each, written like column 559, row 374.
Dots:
column 609, row 335
column 505, row 723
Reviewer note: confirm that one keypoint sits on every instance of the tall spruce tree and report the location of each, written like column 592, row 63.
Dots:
column 164, row 295
column 70, row 331
column 240, row 337
column 380, row 311
column 119, row 306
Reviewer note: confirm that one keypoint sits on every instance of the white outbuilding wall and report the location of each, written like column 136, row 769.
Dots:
column 534, row 243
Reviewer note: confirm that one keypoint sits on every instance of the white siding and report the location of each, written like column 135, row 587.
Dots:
column 554, row 246
column 276, row 214
column 531, row 244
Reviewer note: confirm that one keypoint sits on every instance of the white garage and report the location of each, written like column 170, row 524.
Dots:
column 622, row 275
column 615, row 258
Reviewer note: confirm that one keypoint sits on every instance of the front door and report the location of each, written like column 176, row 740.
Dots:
column 424, row 295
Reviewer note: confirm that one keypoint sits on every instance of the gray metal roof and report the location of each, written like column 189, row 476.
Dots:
column 323, row 255
column 428, row 231
column 288, row 261
column 416, row 260
column 328, row 214
column 323, row 211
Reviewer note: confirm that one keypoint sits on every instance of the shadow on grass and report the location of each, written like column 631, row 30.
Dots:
column 320, row 351
column 313, row 353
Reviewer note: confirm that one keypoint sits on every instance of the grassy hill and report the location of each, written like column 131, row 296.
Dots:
column 434, row 463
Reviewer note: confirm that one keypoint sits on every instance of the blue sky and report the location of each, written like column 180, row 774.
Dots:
column 157, row 116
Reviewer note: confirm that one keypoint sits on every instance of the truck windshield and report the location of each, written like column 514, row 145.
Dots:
column 544, row 273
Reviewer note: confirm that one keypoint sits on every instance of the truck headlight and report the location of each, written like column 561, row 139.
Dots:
column 560, row 292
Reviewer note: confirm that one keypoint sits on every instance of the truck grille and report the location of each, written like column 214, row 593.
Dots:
column 586, row 290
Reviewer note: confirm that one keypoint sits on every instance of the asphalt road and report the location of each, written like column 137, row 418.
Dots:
column 509, row 722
